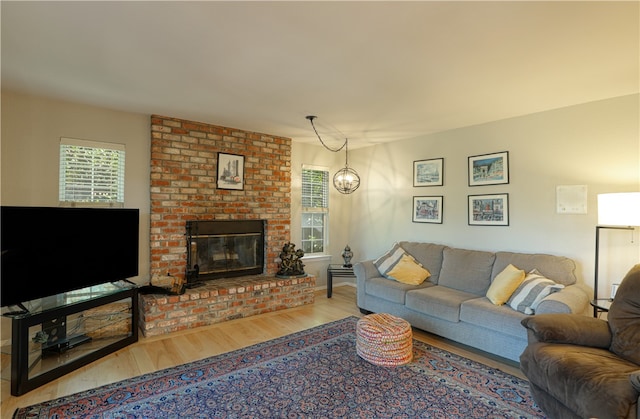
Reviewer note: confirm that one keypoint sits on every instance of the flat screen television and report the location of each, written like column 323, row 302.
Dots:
column 51, row 250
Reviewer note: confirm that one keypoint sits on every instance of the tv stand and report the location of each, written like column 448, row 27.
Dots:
column 61, row 333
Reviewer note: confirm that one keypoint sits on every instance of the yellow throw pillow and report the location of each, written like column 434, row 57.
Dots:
column 505, row 284
column 408, row 271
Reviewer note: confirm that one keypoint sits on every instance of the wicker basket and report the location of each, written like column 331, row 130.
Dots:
column 384, row 339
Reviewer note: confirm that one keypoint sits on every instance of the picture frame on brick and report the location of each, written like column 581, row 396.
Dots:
column 230, row 171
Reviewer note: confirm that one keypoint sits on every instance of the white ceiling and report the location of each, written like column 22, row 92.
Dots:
column 371, row 71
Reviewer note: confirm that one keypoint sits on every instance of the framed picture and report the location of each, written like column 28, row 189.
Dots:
column 489, row 169
column 230, row 171
column 427, row 209
column 428, row 172
column 489, row 210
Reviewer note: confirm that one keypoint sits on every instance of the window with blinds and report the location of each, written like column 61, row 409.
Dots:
column 315, row 210
column 91, row 173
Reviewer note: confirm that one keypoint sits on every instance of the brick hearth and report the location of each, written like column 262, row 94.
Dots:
column 221, row 300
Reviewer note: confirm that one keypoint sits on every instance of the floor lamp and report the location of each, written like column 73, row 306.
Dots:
column 618, row 211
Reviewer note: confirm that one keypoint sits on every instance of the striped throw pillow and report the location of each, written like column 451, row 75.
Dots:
column 389, row 260
column 531, row 292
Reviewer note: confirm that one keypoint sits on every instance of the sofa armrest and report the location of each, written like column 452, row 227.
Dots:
column 363, row 270
column 570, row 299
column 568, row 328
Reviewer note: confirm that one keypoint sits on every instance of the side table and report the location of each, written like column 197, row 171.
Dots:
column 600, row 305
column 337, row 270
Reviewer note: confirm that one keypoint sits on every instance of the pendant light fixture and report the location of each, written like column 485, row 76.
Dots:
column 346, row 180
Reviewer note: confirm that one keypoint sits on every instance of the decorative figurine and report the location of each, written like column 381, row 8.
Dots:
column 347, row 254
column 290, row 261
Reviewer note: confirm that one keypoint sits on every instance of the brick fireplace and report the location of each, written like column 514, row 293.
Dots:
column 183, row 188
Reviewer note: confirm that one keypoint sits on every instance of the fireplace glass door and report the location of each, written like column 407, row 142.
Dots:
column 225, row 253
column 224, row 248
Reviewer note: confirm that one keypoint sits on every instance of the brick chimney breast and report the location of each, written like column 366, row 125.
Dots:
column 183, row 187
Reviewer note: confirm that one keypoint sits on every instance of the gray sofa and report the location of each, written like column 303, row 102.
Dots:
column 452, row 302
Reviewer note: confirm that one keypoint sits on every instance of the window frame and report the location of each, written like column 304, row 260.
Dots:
column 116, row 177
column 315, row 210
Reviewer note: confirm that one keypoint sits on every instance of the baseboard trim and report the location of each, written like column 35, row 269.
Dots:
column 335, row 285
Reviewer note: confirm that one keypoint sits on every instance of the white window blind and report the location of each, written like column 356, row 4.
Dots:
column 315, row 210
column 91, row 172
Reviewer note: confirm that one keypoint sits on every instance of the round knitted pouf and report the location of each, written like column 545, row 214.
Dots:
column 383, row 339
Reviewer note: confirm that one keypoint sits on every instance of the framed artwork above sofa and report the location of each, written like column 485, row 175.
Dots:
column 489, row 210
column 489, row 169
column 428, row 172
column 427, row 209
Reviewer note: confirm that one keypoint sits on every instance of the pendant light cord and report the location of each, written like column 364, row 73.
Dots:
column 346, row 152
column 346, row 180
column 311, row 118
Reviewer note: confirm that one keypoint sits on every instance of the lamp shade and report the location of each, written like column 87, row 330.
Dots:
column 619, row 209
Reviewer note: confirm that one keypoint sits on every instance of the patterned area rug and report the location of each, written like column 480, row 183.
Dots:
column 310, row 374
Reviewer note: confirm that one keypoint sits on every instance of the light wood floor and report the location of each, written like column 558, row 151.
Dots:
column 151, row 354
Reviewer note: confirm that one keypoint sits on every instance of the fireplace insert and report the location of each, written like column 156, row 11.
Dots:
column 224, row 248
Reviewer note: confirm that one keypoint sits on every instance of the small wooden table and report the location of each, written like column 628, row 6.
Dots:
column 337, row 270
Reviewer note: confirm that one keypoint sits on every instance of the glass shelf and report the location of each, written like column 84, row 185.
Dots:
column 67, row 299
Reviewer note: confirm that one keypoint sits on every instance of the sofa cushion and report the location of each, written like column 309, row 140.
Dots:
column 466, row 270
column 592, row 382
column 531, row 292
column 481, row 312
column 408, row 271
column 428, row 254
column 438, row 301
column 504, row 284
column 624, row 317
column 391, row 290
column 558, row 268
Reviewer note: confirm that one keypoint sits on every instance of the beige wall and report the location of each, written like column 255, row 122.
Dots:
column 31, row 131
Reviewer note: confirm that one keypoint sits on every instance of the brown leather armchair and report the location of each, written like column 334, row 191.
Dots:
column 583, row 367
